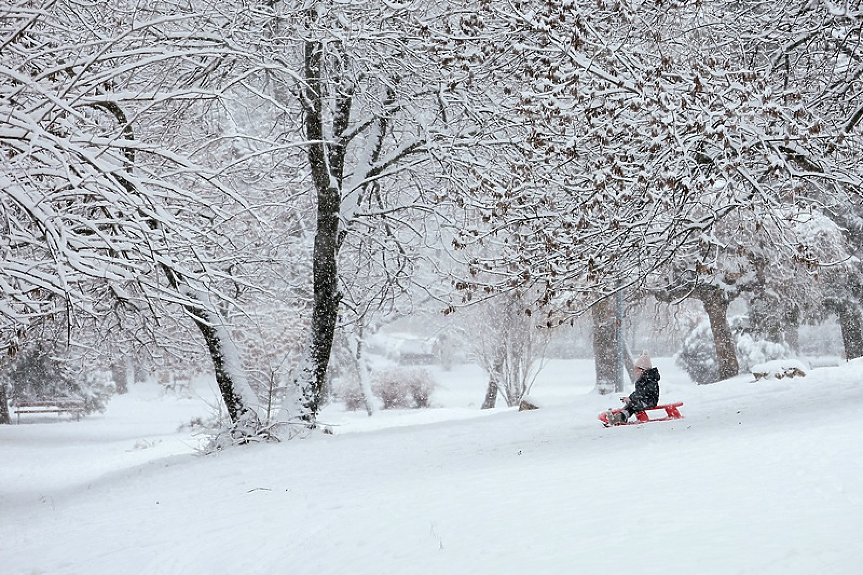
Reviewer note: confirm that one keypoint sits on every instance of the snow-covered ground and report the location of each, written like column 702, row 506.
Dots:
column 759, row 478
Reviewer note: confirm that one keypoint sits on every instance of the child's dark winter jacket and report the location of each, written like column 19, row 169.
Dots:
column 646, row 392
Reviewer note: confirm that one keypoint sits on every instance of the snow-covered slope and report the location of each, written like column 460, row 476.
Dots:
column 760, row 478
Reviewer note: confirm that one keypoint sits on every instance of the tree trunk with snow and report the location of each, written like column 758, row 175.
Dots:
column 495, row 377
column 844, row 300
column 326, row 155
column 490, row 394
column 851, row 324
column 4, row 406
column 791, row 333
column 239, row 397
column 605, row 345
column 118, row 375
column 363, row 371
column 130, row 372
column 229, row 373
column 716, row 306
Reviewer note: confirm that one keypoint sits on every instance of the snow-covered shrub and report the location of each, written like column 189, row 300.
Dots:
column 403, row 387
column 420, row 388
column 351, row 393
column 751, row 351
column 38, row 373
column 391, row 394
column 697, row 355
column 97, row 389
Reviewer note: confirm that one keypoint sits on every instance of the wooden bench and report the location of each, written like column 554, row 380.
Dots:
column 58, row 406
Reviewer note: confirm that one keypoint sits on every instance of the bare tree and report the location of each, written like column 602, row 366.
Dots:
column 508, row 344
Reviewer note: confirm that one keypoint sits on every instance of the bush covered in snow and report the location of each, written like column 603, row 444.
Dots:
column 403, row 387
column 351, row 393
column 697, row 356
column 752, row 351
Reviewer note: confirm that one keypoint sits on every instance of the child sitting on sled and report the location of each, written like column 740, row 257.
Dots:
column 646, row 394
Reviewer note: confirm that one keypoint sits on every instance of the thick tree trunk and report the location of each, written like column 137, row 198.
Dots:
column 118, row 375
column 228, row 372
column 490, row 395
column 629, row 363
column 239, row 398
column 326, row 154
column 325, row 305
column 605, row 345
column 326, row 160
column 716, row 305
column 792, row 336
column 495, row 375
column 851, row 324
column 4, row 406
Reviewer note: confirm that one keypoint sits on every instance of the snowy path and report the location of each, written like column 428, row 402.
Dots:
column 760, row 478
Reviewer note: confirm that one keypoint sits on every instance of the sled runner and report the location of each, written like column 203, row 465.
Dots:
column 670, row 409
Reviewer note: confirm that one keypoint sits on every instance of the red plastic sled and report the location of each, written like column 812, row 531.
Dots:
column 670, row 409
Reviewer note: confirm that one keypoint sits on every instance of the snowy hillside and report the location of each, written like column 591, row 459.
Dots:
column 759, row 478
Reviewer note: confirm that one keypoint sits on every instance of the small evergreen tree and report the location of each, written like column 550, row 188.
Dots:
column 39, row 373
column 697, row 356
